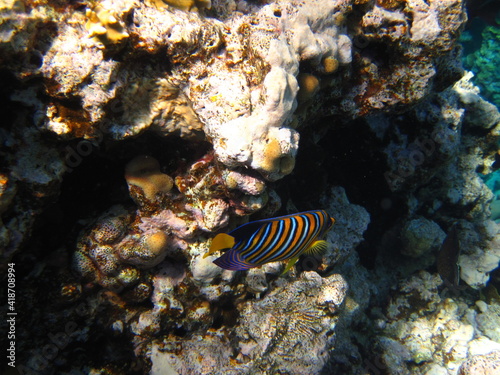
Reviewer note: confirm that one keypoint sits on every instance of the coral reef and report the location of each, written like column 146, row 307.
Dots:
column 421, row 236
column 269, row 336
column 145, row 181
column 439, row 334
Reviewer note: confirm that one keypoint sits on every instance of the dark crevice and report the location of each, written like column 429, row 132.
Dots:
column 349, row 157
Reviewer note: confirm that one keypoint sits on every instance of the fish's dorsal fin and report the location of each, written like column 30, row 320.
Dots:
column 317, row 248
column 220, row 242
column 246, row 230
column 290, row 264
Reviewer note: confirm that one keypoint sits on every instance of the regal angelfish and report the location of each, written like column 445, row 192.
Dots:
column 270, row 240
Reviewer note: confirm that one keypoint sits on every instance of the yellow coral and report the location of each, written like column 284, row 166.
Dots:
column 330, row 64
column 185, row 5
column 144, row 172
column 287, row 163
column 156, row 243
column 273, row 159
column 271, row 155
column 308, row 86
column 104, row 26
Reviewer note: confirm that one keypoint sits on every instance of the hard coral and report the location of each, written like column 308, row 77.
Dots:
column 157, row 103
column 111, row 252
column 186, row 5
column 309, row 84
column 147, row 184
column 330, row 65
column 276, row 155
column 144, row 252
column 104, row 24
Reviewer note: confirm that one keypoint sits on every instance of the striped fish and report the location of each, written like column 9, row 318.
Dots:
column 270, row 240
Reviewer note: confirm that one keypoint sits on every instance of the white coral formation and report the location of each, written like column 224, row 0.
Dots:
column 239, row 73
column 482, row 364
column 290, row 328
column 245, row 104
column 480, row 246
column 351, row 222
column 258, row 133
column 441, row 335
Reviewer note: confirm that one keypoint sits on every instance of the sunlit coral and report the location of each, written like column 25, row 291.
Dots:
column 104, row 23
column 146, row 181
column 187, row 5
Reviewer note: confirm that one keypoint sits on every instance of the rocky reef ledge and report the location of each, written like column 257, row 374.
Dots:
column 135, row 131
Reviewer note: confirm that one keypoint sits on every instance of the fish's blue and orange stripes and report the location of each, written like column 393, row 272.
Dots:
column 270, row 240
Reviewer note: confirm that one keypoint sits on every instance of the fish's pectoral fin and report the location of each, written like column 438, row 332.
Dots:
column 317, row 248
column 220, row 242
column 290, row 264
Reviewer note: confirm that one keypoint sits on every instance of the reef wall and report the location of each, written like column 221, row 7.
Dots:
column 134, row 131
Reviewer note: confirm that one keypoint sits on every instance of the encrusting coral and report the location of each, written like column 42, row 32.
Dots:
column 291, row 328
column 438, row 334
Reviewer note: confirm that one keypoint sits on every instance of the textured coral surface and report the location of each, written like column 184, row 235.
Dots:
column 135, row 131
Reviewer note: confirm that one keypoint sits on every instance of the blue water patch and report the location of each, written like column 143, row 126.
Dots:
column 481, row 53
column 493, row 182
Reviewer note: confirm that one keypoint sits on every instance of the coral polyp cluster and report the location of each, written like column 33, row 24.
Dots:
column 107, row 256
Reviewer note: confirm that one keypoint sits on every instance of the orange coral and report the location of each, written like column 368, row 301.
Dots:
column 308, row 86
column 144, row 172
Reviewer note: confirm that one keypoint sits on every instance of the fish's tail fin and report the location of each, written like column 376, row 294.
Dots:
column 232, row 260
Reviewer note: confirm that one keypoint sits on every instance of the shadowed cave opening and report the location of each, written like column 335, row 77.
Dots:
column 97, row 181
column 348, row 156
